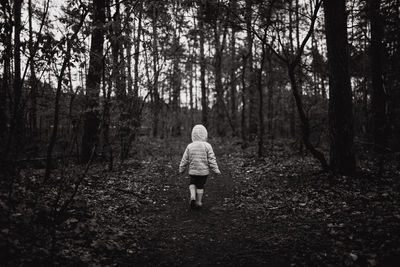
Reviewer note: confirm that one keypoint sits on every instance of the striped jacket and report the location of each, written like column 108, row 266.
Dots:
column 199, row 155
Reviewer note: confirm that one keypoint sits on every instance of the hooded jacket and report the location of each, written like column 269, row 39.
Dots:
column 199, row 155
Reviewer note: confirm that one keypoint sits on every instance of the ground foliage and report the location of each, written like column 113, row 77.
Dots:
column 276, row 211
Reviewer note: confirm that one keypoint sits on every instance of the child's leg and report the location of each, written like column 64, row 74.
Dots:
column 200, row 193
column 200, row 190
column 192, row 189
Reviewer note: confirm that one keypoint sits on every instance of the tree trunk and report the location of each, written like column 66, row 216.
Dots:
column 17, row 122
column 342, row 158
column 378, row 100
column 244, row 105
column 292, row 115
column 191, row 106
column 115, row 32
column 261, row 104
column 305, row 125
column 232, row 83
column 137, row 51
column 176, row 73
column 107, row 89
column 270, row 102
column 7, row 54
column 135, row 105
column 156, row 96
column 33, row 93
column 129, row 60
column 250, row 75
column 64, row 66
column 119, row 78
column 204, row 102
column 91, row 114
column 218, row 81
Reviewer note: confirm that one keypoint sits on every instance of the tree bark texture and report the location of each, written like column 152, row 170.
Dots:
column 91, row 115
column 305, row 125
column 252, row 91
column 17, row 122
column 342, row 158
column 156, row 96
column 32, row 79
column 243, row 120
column 137, row 51
column 218, row 81
column 60, row 79
column 7, row 54
column 232, row 83
column 204, row 102
column 261, row 104
column 378, row 100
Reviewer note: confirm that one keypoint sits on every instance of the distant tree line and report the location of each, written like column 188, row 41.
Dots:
column 86, row 78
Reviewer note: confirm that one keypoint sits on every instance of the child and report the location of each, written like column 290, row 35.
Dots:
column 200, row 157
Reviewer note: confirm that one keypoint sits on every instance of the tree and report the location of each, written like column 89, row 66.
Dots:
column 17, row 122
column 292, row 64
column 137, row 51
column 378, row 100
column 66, row 62
column 32, row 79
column 252, row 91
column 342, row 158
column 7, row 54
column 219, row 48
column 201, row 27
column 155, row 93
column 176, row 79
column 91, row 115
column 232, row 71
column 261, row 127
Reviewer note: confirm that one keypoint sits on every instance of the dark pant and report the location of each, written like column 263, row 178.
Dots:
column 198, row 180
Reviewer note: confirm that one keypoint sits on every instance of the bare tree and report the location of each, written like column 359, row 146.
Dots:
column 378, row 93
column 201, row 28
column 66, row 62
column 342, row 159
column 91, row 116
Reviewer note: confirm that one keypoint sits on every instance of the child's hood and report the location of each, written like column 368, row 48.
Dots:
column 199, row 133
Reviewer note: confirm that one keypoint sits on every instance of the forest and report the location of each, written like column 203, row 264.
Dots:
column 301, row 100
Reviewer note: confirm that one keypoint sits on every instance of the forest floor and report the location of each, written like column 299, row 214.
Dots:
column 275, row 211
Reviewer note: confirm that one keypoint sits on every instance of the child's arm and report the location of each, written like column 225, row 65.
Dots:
column 184, row 161
column 212, row 161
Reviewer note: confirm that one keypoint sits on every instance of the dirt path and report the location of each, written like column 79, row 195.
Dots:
column 190, row 237
column 216, row 235
column 274, row 212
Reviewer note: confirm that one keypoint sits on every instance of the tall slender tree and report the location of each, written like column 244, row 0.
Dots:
column 32, row 78
column 7, row 54
column 91, row 115
column 56, row 119
column 176, row 79
column 378, row 100
column 219, row 48
column 341, row 133
column 251, row 89
column 137, row 50
column 233, row 67
column 201, row 27
column 155, row 93
column 17, row 122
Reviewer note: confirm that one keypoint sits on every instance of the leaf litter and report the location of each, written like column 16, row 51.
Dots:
column 279, row 210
